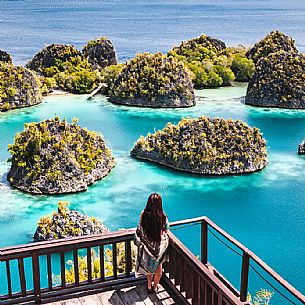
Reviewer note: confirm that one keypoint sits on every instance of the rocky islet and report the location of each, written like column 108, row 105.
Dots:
column 209, row 146
column 153, row 80
column 55, row 157
column 66, row 223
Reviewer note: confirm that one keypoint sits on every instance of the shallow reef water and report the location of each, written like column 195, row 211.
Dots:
column 264, row 210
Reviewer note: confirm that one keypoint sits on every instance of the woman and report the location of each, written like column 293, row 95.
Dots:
column 152, row 241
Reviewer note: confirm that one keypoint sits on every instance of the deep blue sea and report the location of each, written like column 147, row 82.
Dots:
column 264, row 210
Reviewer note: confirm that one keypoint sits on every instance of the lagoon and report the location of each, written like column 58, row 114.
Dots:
column 264, row 210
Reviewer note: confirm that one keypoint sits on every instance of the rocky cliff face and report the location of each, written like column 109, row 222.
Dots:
column 65, row 223
column 5, row 57
column 273, row 42
column 301, row 149
column 54, row 55
column 18, row 87
column 100, row 53
column 209, row 146
column 53, row 157
column 153, row 80
column 278, row 81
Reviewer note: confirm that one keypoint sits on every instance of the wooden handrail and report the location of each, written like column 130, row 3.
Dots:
column 246, row 251
column 199, row 267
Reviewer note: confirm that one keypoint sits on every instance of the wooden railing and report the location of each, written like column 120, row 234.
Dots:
column 36, row 252
column 193, row 279
column 247, row 257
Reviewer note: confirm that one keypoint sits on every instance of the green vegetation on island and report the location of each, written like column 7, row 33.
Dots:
column 53, row 156
column 66, row 223
column 63, row 67
column 275, row 41
column 211, row 63
column 205, row 145
column 153, row 80
column 18, row 87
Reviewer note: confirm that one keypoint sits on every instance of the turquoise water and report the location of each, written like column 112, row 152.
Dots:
column 264, row 210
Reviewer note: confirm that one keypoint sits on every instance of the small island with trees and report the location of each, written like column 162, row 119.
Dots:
column 66, row 223
column 209, row 146
column 54, row 157
column 153, row 80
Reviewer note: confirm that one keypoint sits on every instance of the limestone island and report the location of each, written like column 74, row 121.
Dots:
column 65, row 223
column 209, row 146
column 18, row 87
column 54, row 157
column 301, row 149
column 278, row 81
column 211, row 63
column 153, row 80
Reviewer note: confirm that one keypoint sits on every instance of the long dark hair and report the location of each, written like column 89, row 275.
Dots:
column 153, row 218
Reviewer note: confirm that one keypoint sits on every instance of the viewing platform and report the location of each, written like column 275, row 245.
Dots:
column 187, row 279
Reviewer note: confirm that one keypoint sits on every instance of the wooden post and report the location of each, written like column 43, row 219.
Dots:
column 244, row 277
column 128, row 257
column 36, row 278
column 204, row 242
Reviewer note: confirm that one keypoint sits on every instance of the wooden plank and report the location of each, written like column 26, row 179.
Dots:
column 63, row 269
column 164, row 297
column 110, row 298
column 195, row 287
column 90, row 300
column 22, row 276
column 49, row 267
column 9, row 282
column 147, row 298
column 172, row 264
column 89, row 265
column 189, row 281
column 102, row 263
column 114, row 261
column 36, row 278
column 76, row 271
column 75, row 301
column 178, row 269
column 129, row 296
column 128, row 257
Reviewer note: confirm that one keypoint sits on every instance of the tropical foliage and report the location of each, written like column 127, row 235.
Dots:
column 18, row 87
column 68, row 68
column 51, row 155
column 206, row 146
column 154, row 77
column 211, row 63
column 273, row 42
column 279, row 80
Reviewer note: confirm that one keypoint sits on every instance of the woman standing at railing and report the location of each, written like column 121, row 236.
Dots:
column 152, row 241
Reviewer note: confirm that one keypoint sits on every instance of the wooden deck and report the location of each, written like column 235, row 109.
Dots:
column 135, row 295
